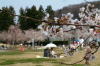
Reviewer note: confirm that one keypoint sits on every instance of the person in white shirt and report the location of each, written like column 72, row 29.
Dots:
column 81, row 42
column 53, row 54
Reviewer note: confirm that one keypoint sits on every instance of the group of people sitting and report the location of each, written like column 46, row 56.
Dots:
column 48, row 52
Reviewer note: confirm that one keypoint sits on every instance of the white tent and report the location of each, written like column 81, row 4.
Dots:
column 50, row 45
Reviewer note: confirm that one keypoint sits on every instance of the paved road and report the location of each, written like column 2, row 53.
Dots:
column 3, row 50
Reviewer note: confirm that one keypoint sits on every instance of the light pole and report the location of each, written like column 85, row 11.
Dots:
column 33, row 43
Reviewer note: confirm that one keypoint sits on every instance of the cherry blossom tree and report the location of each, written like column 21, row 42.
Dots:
column 13, row 36
column 34, row 34
column 4, row 36
column 16, row 34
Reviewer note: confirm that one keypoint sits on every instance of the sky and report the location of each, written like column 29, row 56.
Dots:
column 56, row 4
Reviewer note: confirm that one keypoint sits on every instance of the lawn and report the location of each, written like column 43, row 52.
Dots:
column 28, row 58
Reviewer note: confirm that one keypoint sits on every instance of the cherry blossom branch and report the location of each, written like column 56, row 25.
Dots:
column 72, row 29
column 72, row 63
column 96, row 49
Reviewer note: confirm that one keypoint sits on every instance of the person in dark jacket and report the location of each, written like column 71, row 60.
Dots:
column 47, row 52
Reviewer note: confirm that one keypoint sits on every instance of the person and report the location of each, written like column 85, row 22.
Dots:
column 41, row 45
column 3, row 46
column 53, row 54
column 75, row 43
column 21, row 44
column 63, row 46
column 47, row 52
column 60, row 47
column 81, row 40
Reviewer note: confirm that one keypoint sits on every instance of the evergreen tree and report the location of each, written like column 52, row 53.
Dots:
column 50, row 11
column 41, row 14
column 6, row 19
column 25, row 23
column 22, row 21
column 31, row 12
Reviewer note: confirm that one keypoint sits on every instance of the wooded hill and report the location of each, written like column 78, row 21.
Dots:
column 74, row 9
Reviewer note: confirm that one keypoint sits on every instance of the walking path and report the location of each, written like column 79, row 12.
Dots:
column 3, row 50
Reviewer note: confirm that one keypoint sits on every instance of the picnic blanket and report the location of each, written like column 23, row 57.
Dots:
column 46, row 57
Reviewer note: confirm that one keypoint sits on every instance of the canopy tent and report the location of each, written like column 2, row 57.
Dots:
column 51, row 45
column 77, row 40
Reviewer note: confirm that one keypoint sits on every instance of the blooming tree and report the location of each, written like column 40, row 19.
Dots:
column 16, row 34
column 89, row 16
column 36, row 35
column 13, row 36
column 4, row 36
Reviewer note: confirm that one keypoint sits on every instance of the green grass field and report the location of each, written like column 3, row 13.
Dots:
column 28, row 58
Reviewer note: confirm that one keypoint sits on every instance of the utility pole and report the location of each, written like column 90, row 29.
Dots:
column 33, row 44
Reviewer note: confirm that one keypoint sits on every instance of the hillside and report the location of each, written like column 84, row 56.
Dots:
column 74, row 9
